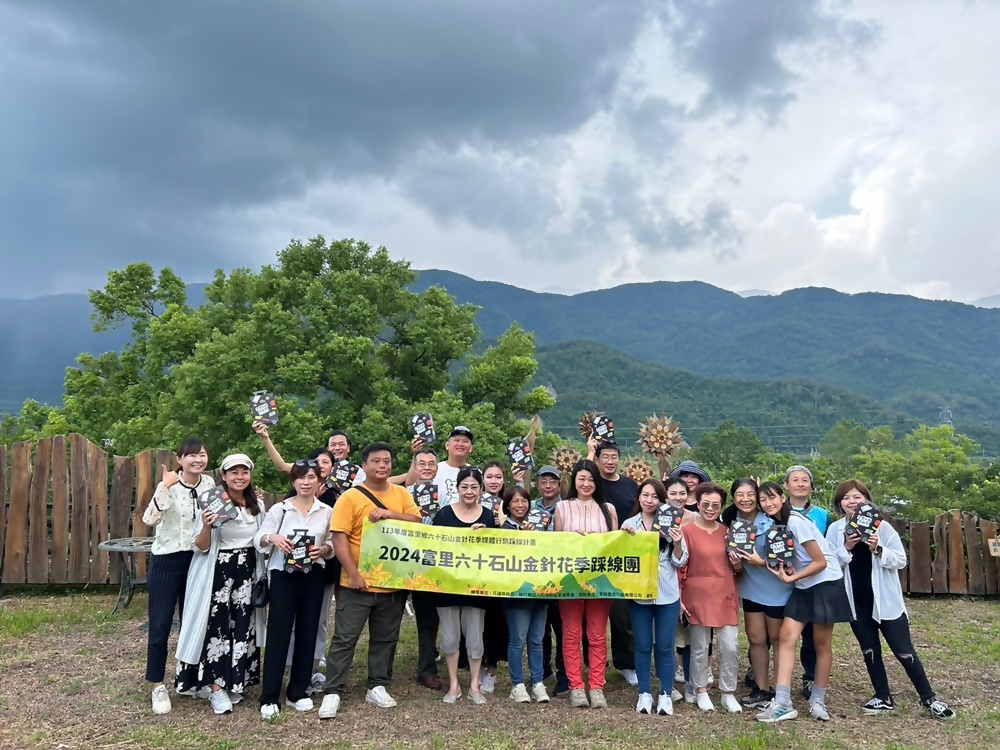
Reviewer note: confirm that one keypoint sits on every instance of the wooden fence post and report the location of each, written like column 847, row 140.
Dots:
column 97, row 469
column 79, row 567
column 16, row 545
column 38, row 527
column 989, row 531
column 122, row 492
column 958, row 582
column 3, row 511
column 974, row 546
column 60, row 511
column 920, row 558
column 940, row 566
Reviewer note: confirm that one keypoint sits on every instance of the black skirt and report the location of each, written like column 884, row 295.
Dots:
column 822, row 604
column 230, row 657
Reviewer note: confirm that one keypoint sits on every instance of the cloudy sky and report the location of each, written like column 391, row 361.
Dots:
column 560, row 145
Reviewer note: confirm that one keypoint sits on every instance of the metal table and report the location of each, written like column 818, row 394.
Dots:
column 127, row 549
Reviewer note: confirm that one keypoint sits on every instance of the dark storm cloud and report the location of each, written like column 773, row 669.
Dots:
column 737, row 46
column 132, row 121
column 129, row 127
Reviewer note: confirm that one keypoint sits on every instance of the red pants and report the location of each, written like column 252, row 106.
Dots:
column 596, row 612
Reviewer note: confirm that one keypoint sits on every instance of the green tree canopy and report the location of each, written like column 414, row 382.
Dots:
column 331, row 329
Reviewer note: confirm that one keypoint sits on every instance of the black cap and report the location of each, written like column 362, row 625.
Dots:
column 462, row 430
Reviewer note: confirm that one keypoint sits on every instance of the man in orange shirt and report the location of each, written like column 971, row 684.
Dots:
column 357, row 602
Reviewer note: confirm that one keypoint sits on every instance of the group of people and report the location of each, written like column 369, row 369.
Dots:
column 224, row 577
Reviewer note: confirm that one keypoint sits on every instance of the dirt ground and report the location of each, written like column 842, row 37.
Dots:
column 71, row 676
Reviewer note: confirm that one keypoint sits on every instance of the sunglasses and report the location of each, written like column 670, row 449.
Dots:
column 307, row 462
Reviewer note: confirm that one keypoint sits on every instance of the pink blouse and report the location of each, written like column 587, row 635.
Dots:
column 574, row 515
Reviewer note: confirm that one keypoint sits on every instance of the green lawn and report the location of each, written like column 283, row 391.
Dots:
column 71, row 676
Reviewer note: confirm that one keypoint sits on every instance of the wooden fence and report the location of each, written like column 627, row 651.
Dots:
column 60, row 506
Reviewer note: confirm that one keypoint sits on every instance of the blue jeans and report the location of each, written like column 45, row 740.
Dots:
column 654, row 627
column 525, row 624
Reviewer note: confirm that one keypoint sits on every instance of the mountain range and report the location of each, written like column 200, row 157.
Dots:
column 694, row 350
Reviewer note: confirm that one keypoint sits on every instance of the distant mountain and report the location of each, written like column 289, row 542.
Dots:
column 989, row 302
column 889, row 357
column 41, row 337
column 790, row 416
column 907, row 353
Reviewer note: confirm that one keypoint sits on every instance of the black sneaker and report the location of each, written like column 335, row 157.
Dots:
column 757, row 699
column 939, row 710
column 807, row 688
column 876, row 706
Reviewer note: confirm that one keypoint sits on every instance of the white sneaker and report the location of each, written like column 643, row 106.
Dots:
column 161, row 700
column 711, row 677
column 730, row 703
column 379, row 697
column 665, row 705
column 235, row 698
column 328, row 708
column 269, row 712
column 645, row 704
column 220, row 702
column 679, row 674
column 690, row 694
column 303, row 705
column 540, row 694
column 676, row 695
column 630, row 676
column 487, row 683
column 704, row 702
column 520, row 694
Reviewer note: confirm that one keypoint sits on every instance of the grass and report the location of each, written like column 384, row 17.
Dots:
column 71, row 674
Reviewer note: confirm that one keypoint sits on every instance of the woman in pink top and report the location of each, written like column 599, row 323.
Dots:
column 585, row 511
column 709, row 598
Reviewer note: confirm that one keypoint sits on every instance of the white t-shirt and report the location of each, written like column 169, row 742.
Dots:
column 446, row 480
column 804, row 530
column 361, row 477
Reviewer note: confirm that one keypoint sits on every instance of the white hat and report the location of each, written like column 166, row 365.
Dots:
column 236, row 459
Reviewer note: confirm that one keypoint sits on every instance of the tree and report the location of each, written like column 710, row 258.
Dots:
column 929, row 473
column 732, row 451
column 331, row 329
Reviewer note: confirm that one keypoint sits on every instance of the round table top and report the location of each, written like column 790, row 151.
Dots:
column 128, row 544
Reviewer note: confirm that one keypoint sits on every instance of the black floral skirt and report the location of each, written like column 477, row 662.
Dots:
column 230, row 657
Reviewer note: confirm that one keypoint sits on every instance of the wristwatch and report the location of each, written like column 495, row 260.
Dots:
column 878, row 550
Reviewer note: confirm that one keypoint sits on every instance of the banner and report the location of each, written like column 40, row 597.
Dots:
column 505, row 562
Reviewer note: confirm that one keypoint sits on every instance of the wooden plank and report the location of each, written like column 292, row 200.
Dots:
column 958, row 581
column 97, row 468
column 120, row 510
column 59, row 557
column 939, row 569
column 3, row 510
column 143, row 493
column 38, row 522
column 974, row 547
column 15, row 556
column 79, row 539
column 920, row 558
column 901, row 528
column 989, row 531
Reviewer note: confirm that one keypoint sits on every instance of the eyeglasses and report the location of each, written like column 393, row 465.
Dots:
column 307, row 462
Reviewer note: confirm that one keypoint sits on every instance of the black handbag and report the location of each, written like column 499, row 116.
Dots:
column 260, row 594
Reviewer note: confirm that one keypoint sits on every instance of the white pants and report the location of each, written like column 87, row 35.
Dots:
column 324, row 626
column 701, row 639
column 454, row 621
